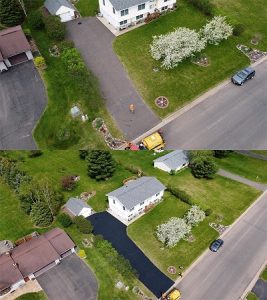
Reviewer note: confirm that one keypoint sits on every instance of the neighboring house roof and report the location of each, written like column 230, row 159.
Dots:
column 173, row 159
column 122, row 4
column 137, row 191
column 32, row 256
column 54, row 5
column 12, row 42
column 76, row 205
column 5, row 246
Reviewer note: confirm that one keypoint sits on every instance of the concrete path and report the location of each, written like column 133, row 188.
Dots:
column 256, row 185
column 227, row 274
column 252, row 154
column 94, row 41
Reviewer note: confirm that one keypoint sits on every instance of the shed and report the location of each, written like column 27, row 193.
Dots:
column 61, row 8
column 77, row 207
column 173, row 161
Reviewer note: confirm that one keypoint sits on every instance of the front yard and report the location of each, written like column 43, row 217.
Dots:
column 185, row 82
column 87, row 7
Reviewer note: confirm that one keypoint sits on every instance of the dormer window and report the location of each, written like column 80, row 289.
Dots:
column 141, row 6
column 124, row 12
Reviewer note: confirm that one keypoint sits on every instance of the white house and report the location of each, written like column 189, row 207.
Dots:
column 77, row 207
column 62, row 8
column 14, row 48
column 124, row 13
column 173, row 161
column 135, row 197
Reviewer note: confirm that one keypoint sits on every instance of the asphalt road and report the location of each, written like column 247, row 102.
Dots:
column 94, row 41
column 71, row 279
column 226, row 275
column 233, row 118
column 22, row 101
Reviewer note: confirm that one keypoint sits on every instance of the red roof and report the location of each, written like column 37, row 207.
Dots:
column 12, row 42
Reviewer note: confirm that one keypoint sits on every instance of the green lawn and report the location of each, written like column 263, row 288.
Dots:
column 252, row 296
column 251, row 168
column 185, row 82
column 87, row 7
column 33, row 296
column 262, row 152
column 264, row 274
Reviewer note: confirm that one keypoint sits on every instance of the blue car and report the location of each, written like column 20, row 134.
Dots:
column 216, row 245
column 242, row 76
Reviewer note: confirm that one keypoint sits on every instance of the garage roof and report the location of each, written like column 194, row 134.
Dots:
column 122, row 4
column 54, row 5
column 174, row 159
column 12, row 42
column 75, row 205
column 137, row 191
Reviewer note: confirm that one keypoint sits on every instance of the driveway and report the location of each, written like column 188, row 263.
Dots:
column 22, row 101
column 227, row 274
column 94, row 41
column 115, row 232
column 260, row 289
column 71, row 279
column 234, row 118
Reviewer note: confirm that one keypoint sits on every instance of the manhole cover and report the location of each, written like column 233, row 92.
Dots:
column 162, row 102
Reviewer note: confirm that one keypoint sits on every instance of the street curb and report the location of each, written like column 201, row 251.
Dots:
column 189, row 106
column 222, row 235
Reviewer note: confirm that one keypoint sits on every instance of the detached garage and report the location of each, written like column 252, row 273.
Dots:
column 14, row 48
column 173, row 161
column 77, row 207
column 61, row 8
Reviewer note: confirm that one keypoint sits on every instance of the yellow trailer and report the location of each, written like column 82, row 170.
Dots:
column 154, row 142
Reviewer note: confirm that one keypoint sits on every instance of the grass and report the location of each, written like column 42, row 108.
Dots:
column 251, row 168
column 33, row 296
column 87, row 7
column 262, row 152
column 252, row 296
column 264, row 274
column 185, row 82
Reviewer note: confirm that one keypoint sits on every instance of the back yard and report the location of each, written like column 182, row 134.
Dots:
column 185, row 82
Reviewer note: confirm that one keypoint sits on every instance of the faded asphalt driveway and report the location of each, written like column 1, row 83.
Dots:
column 22, row 101
column 94, row 41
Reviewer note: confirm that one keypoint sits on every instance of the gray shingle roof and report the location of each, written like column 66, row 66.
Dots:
column 76, row 205
column 174, row 159
column 137, row 191
column 122, row 4
column 54, row 5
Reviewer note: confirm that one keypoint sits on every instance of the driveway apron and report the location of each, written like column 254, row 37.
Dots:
column 115, row 232
column 94, row 41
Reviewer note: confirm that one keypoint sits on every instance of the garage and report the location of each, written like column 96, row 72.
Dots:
column 18, row 59
column 61, row 8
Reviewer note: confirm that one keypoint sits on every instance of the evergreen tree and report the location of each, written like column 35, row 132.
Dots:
column 203, row 167
column 101, row 165
column 11, row 13
column 222, row 153
column 41, row 214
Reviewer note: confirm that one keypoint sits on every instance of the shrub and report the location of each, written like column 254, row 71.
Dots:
column 55, row 29
column 64, row 220
column 222, row 153
column 73, row 61
column 64, row 45
column 208, row 212
column 35, row 153
column 205, row 6
column 11, row 13
column 68, row 183
column 194, row 216
column 83, row 154
column 238, row 29
column 134, row 170
column 83, row 225
column 35, row 20
column 203, row 167
column 182, row 195
column 39, row 62
column 41, row 214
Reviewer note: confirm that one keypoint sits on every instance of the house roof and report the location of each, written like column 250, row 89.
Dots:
column 122, row 4
column 137, row 191
column 54, row 5
column 5, row 246
column 12, row 42
column 33, row 255
column 76, row 205
column 173, row 159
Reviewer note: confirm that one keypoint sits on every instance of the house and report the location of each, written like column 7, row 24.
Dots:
column 14, row 48
column 61, row 8
column 77, row 207
column 124, row 13
column 33, row 257
column 135, row 197
column 173, row 161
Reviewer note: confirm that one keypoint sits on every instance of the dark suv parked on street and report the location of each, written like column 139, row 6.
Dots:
column 242, row 76
column 216, row 245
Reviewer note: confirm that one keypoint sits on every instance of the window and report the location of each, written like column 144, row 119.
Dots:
column 123, row 207
column 114, row 201
column 104, row 2
column 141, row 6
column 166, row 0
column 132, row 209
column 157, row 194
column 123, row 22
column 142, row 203
column 139, row 17
column 113, row 10
column 124, row 12
column 164, row 8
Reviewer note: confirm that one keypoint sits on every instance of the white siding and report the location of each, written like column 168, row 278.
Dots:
column 66, row 14
column 164, row 167
column 85, row 212
column 3, row 66
column 29, row 55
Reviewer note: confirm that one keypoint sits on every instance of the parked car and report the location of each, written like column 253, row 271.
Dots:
column 242, row 76
column 216, row 245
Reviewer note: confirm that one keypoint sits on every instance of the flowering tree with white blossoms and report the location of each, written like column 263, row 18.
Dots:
column 194, row 216
column 173, row 231
column 216, row 30
column 175, row 46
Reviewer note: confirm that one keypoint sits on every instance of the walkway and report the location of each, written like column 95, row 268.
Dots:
column 252, row 154
column 256, row 185
column 115, row 232
column 95, row 41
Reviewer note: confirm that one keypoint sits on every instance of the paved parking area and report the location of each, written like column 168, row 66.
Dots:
column 22, row 101
column 115, row 232
column 70, row 280
column 260, row 289
column 94, row 41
